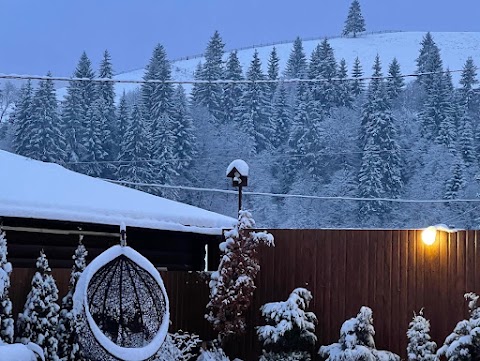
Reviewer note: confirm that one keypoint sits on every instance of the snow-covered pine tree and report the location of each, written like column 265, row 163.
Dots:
column 429, row 60
column 273, row 71
column 355, row 22
column 467, row 140
column 68, row 349
column 6, row 318
column 79, row 99
column 233, row 284
column 463, row 344
column 468, row 95
column 344, row 87
column 39, row 320
column 232, row 92
column 134, row 150
column 210, row 95
column 157, row 106
column 122, row 120
column 184, row 147
column 356, row 341
column 357, row 72
column 255, row 121
column 106, row 103
column 297, row 61
column 457, row 180
column 47, row 142
column 281, row 118
column 194, row 94
column 290, row 330
column 395, row 82
column 24, row 122
column 420, row 346
column 93, row 141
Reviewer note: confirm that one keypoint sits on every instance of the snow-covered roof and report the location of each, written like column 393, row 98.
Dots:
column 34, row 189
column 239, row 165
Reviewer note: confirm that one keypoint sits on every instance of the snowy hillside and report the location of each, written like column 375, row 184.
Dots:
column 455, row 49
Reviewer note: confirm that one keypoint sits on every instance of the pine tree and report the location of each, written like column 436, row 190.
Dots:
column 122, row 119
column 79, row 99
column 68, row 348
column 357, row 72
column 420, row 347
column 232, row 286
column 47, row 142
column 468, row 80
column 323, row 66
column 429, row 61
column 24, row 122
column 184, row 147
column 232, row 92
column 345, row 96
column 255, row 121
column 355, row 22
column 273, row 71
column 290, row 330
column 197, row 75
column 210, row 94
column 395, row 82
column 456, row 182
column 39, row 319
column 281, row 118
column 106, row 103
column 467, row 141
column 157, row 109
column 134, row 150
column 6, row 318
column 297, row 61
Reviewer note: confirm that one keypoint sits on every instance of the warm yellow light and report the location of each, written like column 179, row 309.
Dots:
column 428, row 235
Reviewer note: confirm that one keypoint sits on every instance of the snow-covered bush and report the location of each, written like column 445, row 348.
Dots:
column 232, row 286
column 6, row 318
column 464, row 342
column 290, row 330
column 420, row 347
column 180, row 346
column 214, row 354
column 39, row 320
column 356, row 341
column 68, row 348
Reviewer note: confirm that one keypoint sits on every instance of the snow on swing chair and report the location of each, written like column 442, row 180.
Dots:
column 121, row 307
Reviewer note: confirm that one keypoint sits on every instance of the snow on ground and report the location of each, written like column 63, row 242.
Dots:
column 33, row 189
column 455, row 48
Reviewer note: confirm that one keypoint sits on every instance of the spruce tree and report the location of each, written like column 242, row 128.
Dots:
column 134, row 151
column 281, row 118
column 255, row 121
column 106, row 103
column 79, row 99
column 395, row 82
column 39, row 320
column 6, row 318
column 357, row 72
column 323, row 66
column 66, row 334
column 456, row 182
column 273, row 71
column 24, row 122
column 420, row 347
column 344, row 86
column 47, row 142
column 210, row 94
column 355, row 22
column 232, row 92
column 122, row 119
column 468, row 95
column 184, row 147
column 429, row 61
column 297, row 61
column 467, row 140
column 197, row 75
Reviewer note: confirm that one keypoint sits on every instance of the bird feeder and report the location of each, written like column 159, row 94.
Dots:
column 238, row 171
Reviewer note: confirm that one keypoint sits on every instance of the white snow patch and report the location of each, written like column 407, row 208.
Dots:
column 240, row 165
column 20, row 352
column 34, row 189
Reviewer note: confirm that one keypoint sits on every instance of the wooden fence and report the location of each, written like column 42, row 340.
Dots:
column 392, row 272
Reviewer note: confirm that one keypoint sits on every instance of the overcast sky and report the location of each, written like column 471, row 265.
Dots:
column 37, row 36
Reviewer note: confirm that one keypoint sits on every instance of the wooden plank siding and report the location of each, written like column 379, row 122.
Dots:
column 391, row 271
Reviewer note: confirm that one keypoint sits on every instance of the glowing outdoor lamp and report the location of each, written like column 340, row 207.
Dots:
column 429, row 235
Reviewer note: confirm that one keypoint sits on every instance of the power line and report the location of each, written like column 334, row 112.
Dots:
column 300, row 196
column 214, row 81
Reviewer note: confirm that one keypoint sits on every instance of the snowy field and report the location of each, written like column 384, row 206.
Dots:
column 455, row 49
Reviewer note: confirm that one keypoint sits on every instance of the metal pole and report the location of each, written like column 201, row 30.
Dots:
column 239, row 197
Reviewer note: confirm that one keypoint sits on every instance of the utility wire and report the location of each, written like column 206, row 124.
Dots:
column 300, row 196
column 213, row 81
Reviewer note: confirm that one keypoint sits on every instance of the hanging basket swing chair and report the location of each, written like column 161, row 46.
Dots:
column 121, row 307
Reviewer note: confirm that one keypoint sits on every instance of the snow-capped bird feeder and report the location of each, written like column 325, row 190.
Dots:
column 238, row 171
column 121, row 307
